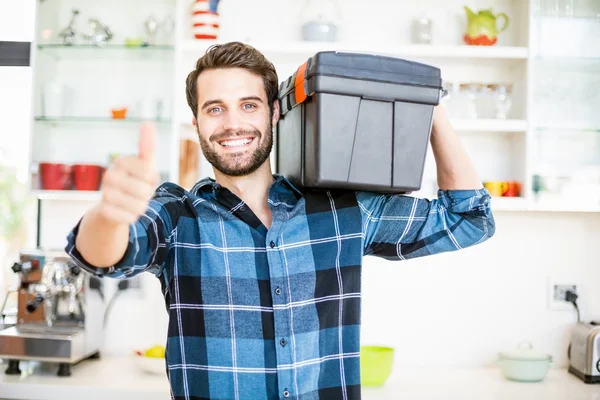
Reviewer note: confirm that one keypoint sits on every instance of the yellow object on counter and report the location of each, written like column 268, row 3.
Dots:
column 156, row 352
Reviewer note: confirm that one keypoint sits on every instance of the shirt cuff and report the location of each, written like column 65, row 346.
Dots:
column 117, row 270
column 465, row 201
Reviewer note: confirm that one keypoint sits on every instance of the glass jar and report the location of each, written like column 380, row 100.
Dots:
column 422, row 30
column 470, row 96
column 501, row 94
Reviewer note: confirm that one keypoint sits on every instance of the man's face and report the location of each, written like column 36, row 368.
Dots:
column 233, row 120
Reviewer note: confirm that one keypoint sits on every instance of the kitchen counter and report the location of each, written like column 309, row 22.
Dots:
column 120, row 379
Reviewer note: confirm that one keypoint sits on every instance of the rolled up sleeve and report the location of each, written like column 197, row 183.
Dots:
column 148, row 241
column 398, row 227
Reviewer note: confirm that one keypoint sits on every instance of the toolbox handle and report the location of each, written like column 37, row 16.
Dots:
column 294, row 90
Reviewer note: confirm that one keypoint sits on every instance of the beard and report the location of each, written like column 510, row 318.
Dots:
column 242, row 163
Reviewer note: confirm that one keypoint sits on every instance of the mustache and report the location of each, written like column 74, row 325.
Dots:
column 231, row 134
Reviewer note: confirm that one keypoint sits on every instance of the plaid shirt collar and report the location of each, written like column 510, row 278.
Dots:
column 281, row 190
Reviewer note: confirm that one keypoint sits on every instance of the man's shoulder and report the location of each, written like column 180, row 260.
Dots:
column 171, row 189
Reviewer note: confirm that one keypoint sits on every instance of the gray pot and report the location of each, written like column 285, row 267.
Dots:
column 319, row 31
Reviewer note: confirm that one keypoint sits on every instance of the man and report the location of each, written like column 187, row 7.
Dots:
column 262, row 281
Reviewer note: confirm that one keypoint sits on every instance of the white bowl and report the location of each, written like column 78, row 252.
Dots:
column 524, row 364
column 151, row 365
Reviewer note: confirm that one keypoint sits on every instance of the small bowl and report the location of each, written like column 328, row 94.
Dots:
column 524, row 364
column 56, row 176
column 134, row 42
column 375, row 365
column 119, row 113
column 150, row 365
column 87, row 177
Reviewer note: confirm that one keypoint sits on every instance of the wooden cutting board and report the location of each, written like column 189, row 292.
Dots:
column 189, row 160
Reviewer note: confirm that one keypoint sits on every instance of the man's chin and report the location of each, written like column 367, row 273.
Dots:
column 236, row 170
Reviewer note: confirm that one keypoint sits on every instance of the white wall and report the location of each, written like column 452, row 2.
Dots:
column 463, row 308
column 16, row 24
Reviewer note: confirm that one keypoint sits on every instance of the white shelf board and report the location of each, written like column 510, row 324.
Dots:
column 498, row 203
column 522, row 204
column 564, row 205
column 74, row 195
column 509, row 204
column 488, row 125
column 198, row 47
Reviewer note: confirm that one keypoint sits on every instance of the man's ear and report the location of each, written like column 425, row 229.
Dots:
column 195, row 123
column 276, row 112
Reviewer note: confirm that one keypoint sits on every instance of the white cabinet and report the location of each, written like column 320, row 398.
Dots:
column 89, row 100
column 548, row 135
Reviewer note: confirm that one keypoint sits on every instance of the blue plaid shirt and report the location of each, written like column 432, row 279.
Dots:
column 258, row 313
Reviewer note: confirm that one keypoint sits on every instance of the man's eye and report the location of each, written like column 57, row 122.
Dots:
column 214, row 110
column 249, row 106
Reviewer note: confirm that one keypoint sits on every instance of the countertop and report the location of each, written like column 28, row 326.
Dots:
column 119, row 378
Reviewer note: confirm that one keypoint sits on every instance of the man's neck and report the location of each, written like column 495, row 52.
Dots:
column 253, row 189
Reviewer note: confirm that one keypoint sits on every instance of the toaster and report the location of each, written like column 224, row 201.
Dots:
column 584, row 352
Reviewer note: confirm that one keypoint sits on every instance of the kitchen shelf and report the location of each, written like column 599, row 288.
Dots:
column 522, row 204
column 509, row 204
column 75, row 195
column 308, row 49
column 563, row 206
column 113, row 51
column 109, row 120
column 488, row 125
column 568, row 127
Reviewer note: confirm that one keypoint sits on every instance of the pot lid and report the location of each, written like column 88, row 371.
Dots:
column 525, row 351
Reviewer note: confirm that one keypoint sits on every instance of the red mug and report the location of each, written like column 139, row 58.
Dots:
column 55, row 176
column 87, row 177
column 513, row 189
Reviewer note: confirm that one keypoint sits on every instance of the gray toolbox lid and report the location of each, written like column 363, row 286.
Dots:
column 359, row 66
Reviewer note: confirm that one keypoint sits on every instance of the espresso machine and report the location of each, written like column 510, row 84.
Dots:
column 59, row 314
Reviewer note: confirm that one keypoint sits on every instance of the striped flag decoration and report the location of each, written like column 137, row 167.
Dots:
column 205, row 19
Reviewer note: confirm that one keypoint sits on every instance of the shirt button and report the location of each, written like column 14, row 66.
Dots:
column 282, row 342
column 278, row 291
column 286, row 393
column 272, row 244
column 242, row 208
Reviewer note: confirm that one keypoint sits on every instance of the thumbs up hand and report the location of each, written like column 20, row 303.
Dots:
column 130, row 183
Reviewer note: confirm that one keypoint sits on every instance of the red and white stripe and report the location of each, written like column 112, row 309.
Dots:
column 205, row 24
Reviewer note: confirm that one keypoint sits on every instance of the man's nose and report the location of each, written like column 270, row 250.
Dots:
column 234, row 121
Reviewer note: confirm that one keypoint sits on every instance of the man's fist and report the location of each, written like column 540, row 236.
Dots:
column 130, row 182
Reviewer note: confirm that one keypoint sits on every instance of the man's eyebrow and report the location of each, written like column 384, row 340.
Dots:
column 219, row 101
column 255, row 98
column 210, row 102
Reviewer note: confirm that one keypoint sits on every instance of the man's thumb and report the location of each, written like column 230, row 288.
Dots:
column 147, row 142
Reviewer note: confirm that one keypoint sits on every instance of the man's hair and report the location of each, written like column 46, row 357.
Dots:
column 233, row 55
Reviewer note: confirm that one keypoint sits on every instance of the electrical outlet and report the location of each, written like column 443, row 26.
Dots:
column 557, row 289
column 560, row 291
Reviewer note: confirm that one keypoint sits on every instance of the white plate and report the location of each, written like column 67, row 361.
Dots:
column 150, row 365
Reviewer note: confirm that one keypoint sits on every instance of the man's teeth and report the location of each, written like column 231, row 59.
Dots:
column 233, row 143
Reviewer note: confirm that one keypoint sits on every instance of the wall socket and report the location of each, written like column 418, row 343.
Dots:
column 560, row 291
column 557, row 291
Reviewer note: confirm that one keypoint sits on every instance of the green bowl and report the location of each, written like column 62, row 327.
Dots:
column 375, row 365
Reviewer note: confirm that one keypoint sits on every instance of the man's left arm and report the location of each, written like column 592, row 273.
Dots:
column 398, row 227
column 455, row 170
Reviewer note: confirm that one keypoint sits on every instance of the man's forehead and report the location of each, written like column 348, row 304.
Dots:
column 227, row 81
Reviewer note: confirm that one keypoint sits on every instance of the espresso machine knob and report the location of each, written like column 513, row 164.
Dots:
column 34, row 304
column 25, row 267
column 17, row 267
